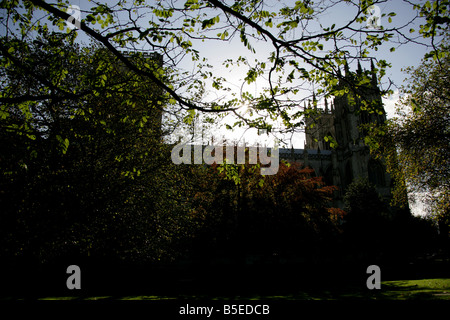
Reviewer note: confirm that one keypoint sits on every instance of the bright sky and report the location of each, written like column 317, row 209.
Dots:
column 216, row 52
column 405, row 55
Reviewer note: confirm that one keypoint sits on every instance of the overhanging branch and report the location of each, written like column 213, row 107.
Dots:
column 105, row 41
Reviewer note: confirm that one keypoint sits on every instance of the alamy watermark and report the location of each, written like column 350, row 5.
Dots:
column 374, row 20
column 73, row 22
column 374, row 280
column 74, row 280
column 214, row 153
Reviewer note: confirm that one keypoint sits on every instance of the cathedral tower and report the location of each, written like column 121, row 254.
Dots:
column 342, row 119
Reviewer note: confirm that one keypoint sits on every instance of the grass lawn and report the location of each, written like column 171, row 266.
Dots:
column 425, row 289
column 428, row 289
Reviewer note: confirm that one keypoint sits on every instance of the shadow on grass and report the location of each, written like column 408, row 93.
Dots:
column 226, row 283
column 424, row 289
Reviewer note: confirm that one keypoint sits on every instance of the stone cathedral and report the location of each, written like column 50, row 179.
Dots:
column 341, row 118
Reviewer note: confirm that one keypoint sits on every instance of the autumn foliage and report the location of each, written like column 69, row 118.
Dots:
column 246, row 213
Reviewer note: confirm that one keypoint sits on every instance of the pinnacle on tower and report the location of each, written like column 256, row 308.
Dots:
column 347, row 71
column 338, row 74
column 314, row 101
column 374, row 74
column 359, row 70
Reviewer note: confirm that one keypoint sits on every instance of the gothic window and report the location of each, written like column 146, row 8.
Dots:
column 348, row 173
column 376, row 173
column 345, row 128
column 365, row 118
column 328, row 177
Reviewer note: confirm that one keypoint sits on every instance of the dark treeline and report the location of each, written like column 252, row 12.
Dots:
column 86, row 179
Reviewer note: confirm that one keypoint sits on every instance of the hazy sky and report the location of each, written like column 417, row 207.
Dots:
column 409, row 54
column 405, row 55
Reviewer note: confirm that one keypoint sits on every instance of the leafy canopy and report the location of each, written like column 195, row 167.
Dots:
column 288, row 47
column 416, row 144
